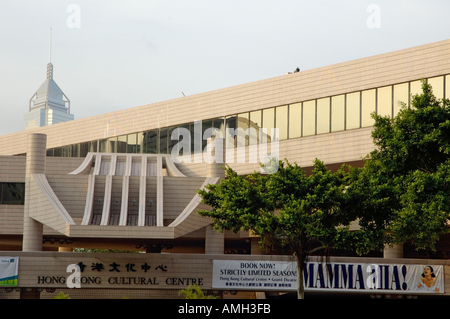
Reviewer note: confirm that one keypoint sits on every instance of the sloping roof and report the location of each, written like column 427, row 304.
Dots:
column 49, row 93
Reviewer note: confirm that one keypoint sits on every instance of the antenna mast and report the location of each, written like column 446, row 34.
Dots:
column 50, row 48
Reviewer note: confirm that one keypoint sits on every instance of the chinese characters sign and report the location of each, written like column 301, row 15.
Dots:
column 124, row 273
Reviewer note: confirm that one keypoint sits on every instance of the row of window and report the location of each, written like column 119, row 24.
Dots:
column 319, row 116
column 12, row 193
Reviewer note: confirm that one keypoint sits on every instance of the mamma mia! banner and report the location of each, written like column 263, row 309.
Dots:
column 9, row 270
column 362, row 277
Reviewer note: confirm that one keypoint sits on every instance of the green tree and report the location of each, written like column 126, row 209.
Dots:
column 407, row 174
column 289, row 210
column 194, row 292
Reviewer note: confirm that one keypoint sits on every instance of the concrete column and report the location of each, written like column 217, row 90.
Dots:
column 35, row 164
column 214, row 241
column 393, row 252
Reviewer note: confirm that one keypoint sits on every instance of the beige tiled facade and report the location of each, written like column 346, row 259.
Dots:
column 61, row 193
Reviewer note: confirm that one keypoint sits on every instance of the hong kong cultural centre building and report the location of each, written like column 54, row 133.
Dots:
column 110, row 182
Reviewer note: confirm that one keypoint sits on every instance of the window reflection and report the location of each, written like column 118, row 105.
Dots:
column 337, row 113
column 268, row 122
column 163, row 141
column 75, row 150
column 447, row 87
column 384, row 101
column 352, row 114
column 281, row 123
column 368, row 103
column 12, row 193
column 84, row 149
column 243, row 125
column 295, row 120
column 93, row 146
column 102, row 148
column 323, row 115
column 400, row 97
column 205, row 125
column 230, row 127
column 172, row 142
column 150, row 141
column 309, row 118
column 255, row 124
column 415, row 87
column 347, row 111
column 112, row 145
column 122, row 144
column 437, row 85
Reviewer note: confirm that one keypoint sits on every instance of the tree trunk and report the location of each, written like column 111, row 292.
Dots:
column 300, row 286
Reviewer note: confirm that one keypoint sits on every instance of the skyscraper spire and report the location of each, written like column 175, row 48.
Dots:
column 50, row 65
column 48, row 105
column 50, row 48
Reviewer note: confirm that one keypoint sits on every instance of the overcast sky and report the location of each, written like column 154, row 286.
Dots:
column 115, row 54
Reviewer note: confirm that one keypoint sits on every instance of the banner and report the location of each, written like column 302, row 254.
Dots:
column 352, row 277
column 9, row 270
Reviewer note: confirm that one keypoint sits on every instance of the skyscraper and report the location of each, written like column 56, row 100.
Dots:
column 48, row 105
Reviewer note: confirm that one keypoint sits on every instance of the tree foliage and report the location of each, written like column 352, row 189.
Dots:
column 195, row 292
column 289, row 210
column 408, row 172
column 401, row 193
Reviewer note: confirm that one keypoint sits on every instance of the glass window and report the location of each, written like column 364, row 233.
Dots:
column 415, row 87
column 268, row 122
column 323, row 115
column 84, row 149
column 368, row 104
column 230, row 126
column 12, row 193
column 338, row 113
column 400, row 96
column 437, row 85
column 196, row 137
column 309, row 118
column 205, row 125
column 122, row 144
column 281, row 123
column 384, row 101
column 50, row 152
column 67, row 151
column 447, row 86
column 219, row 124
column 255, row 123
column 243, row 125
column 112, row 145
column 93, row 146
column 163, row 141
column 140, row 142
column 102, row 146
column 131, row 143
column 295, row 120
column 57, row 152
column 172, row 142
column 75, row 150
column 353, row 113
column 150, row 142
